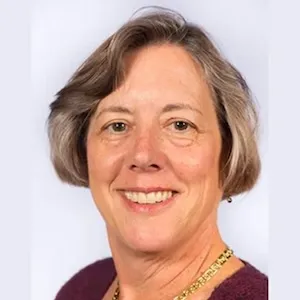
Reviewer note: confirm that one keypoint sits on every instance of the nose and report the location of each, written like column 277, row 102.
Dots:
column 146, row 154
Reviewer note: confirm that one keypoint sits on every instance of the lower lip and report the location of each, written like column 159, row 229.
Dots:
column 149, row 208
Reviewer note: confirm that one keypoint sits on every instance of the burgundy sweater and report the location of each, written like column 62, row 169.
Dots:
column 92, row 282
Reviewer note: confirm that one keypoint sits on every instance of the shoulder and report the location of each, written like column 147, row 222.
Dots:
column 89, row 283
column 246, row 284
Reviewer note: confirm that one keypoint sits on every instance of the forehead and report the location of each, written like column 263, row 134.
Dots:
column 160, row 74
column 160, row 67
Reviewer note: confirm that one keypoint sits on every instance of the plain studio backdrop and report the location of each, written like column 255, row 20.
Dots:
column 67, row 231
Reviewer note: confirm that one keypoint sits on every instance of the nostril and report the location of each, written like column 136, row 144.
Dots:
column 154, row 166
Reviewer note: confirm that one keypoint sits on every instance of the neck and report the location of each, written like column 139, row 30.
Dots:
column 163, row 273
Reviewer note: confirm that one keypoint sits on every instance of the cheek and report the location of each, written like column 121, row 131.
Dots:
column 197, row 161
column 103, row 165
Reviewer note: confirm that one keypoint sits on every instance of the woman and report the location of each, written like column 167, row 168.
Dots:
column 161, row 128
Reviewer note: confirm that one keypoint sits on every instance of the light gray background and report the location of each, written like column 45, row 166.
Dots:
column 67, row 231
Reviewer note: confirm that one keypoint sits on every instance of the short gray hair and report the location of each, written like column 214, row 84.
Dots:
column 103, row 72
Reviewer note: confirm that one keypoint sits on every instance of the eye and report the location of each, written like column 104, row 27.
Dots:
column 117, row 127
column 181, row 125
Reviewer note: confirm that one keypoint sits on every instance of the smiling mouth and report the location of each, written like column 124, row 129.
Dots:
column 150, row 197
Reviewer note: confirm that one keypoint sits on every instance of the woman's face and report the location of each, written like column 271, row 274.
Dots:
column 156, row 140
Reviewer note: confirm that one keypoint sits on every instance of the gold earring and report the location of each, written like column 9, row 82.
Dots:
column 229, row 199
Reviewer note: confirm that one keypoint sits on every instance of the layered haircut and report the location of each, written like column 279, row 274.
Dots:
column 104, row 71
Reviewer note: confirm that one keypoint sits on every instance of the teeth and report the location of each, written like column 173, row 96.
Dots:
column 153, row 197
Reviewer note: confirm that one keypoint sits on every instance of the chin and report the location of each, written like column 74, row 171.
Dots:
column 150, row 247
column 149, row 242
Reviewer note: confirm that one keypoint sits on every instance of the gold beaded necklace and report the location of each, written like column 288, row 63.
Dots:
column 202, row 280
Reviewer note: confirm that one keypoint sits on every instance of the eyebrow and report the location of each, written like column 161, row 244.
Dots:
column 166, row 109
column 180, row 106
column 114, row 109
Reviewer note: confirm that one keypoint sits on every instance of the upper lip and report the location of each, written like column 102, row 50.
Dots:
column 147, row 189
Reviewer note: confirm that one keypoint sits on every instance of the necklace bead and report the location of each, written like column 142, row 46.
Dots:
column 202, row 280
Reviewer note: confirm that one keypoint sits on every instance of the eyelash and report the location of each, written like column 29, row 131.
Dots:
column 190, row 125
column 107, row 127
